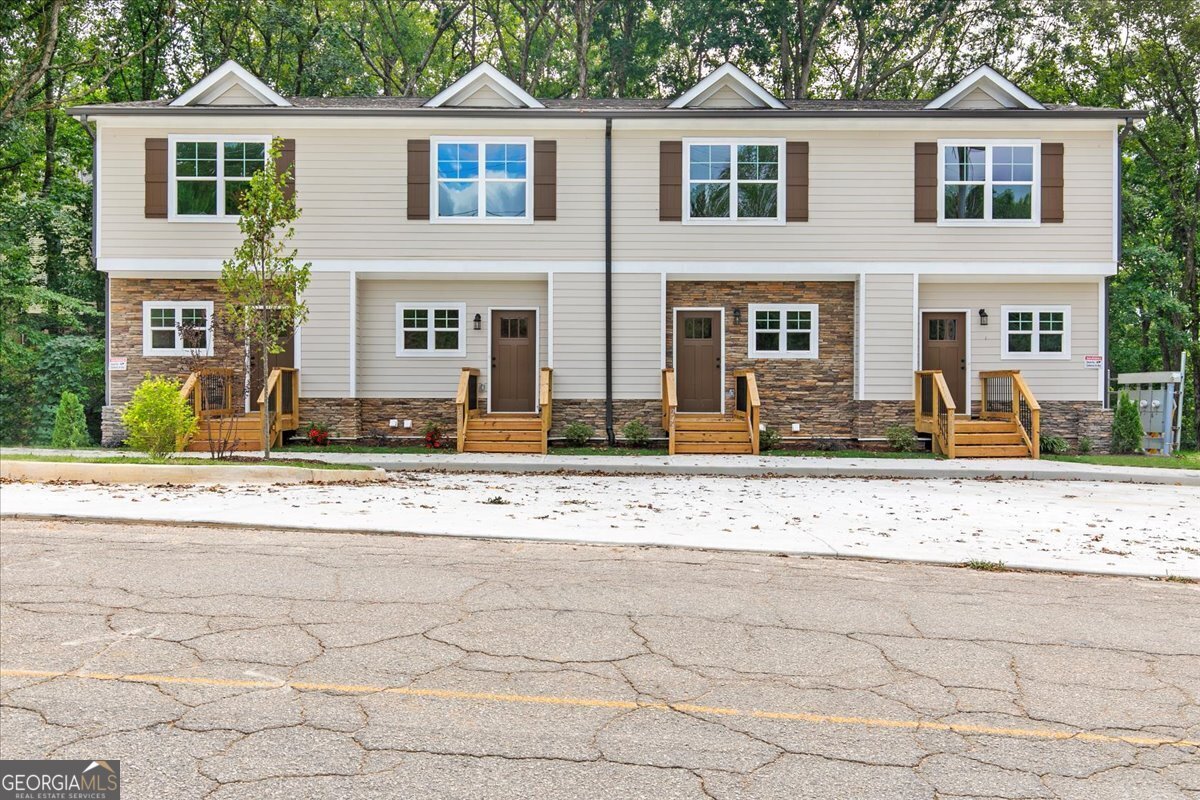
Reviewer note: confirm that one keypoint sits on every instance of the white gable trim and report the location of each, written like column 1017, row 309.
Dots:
column 220, row 79
column 990, row 82
column 484, row 73
column 733, row 77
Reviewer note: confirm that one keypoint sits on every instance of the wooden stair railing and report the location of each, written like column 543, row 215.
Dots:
column 210, row 392
column 466, row 403
column 545, row 402
column 748, row 405
column 934, row 409
column 670, row 407
column 1005, row 395
column 280, row 398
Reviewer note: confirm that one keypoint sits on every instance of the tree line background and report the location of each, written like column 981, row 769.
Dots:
column 57, row 53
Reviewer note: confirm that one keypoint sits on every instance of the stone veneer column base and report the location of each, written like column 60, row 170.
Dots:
column 112, row 432
column 872, row 418
column 1075, row 419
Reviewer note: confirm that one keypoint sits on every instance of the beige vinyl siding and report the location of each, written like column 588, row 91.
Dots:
column 382, row 374
column 861, row 204
column 325, row 337
column 1050, row 379
column 579, row 335
column 887, row 337
column 235, row 95
column 351, row 186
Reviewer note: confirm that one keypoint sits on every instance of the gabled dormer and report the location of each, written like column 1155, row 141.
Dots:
column 484, row 87
column 231, row 84
column 726, row 87
column 985, row 88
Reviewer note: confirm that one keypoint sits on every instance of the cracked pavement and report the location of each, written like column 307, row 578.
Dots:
column 229, row 663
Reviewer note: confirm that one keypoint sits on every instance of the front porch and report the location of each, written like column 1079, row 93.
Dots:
column 224, row 426
column 1008, row 425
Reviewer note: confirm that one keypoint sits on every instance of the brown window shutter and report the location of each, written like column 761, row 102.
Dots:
column 670, row 181
column 156, row 178
column 1052, row 182
column 797, row 181
column 286, row 161
column 418, row 179
column 545, row 180
column 925, row 182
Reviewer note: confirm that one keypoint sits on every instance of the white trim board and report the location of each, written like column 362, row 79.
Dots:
column 727, row 75
column 484, row 75
column 225, row 76
column 675, row 346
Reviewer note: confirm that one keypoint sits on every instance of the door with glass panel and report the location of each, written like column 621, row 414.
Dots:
column 944, row 347
column 514, row 360
column 698, row 361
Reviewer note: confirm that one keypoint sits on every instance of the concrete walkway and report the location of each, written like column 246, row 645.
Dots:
column 726, row 466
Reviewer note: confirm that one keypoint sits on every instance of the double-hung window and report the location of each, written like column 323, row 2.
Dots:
column 783, row 331
column 989, row 183
column 431, row 329
column 482, row 180
column 177, row 328
column 1036, row 332
column 733, row 181
column 209, row 174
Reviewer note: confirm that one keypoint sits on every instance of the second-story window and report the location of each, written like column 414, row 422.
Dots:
column 733, row 181
column 989, row 182
column 479, row 180
column 208, row 174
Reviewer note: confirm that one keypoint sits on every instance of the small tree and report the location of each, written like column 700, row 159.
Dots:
column 158, row 419
column 70, row 423
column 1127, row 429
column 262, row 284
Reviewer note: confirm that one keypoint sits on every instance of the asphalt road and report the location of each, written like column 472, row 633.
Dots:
column 228, row 663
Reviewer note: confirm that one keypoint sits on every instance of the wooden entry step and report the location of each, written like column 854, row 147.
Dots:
column 986, row 438
column 712, row 434
column 504, row 433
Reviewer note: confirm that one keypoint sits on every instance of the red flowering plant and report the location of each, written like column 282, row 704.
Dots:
column 318, row 434
column 433, row 436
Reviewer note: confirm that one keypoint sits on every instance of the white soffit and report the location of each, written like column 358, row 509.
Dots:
column 485, row 74
column 221, row 80
column 726, row 75
column 990, row 82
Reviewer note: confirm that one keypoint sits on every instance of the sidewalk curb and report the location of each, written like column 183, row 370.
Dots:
column 1015, row 567
column 178, row 474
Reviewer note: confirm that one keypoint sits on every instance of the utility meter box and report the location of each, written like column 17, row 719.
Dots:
column 1159, row 398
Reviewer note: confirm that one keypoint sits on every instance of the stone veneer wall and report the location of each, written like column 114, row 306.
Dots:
column 125, row 332
column 817, row 393
column 592, row 412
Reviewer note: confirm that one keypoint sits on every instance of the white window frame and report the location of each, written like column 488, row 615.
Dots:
column 430, row 307
column 1035, row 219
column 221, row 139
column 177, row 306
column 783, row 353
column 482, row 142
column 780, row 217
column 1035, row 354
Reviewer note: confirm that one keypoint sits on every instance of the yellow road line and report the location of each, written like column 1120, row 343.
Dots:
column 596, row 702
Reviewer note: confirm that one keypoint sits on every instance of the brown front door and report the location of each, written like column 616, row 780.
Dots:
column 944, row 337
column 514, row 360
column 698, row 360
column 285, row 358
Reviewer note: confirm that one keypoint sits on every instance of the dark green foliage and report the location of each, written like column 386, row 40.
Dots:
column 901, row 438
column 70, row 425
column 636, row 433
column 1127, row 429
column 1084, row 445
column 768, row 439
column 578, row 433
column 1051, row 445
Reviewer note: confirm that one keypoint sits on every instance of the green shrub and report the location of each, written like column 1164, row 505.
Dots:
column 901, row 438
column 70, row 423
column 1052, row 445
column 636, row 433
column 157, row 419
column 578, row 434
column 768, row 439
column 1084, row 445
column 1127, row 426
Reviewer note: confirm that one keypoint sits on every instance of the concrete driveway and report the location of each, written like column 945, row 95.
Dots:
column 249, row 664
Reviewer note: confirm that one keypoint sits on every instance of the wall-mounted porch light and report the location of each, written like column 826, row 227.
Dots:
column 983, row 317
column 737, row 316
column 478, row 322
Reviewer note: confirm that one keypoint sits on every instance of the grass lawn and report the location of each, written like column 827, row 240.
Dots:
column 1188, row 460
column 201, row 462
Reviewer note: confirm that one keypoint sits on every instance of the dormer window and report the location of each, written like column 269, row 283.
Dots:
column 482, row 180
column 989, row 183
